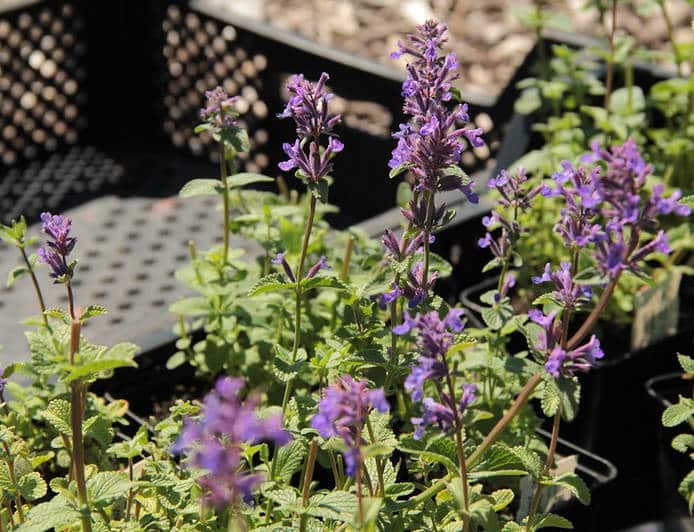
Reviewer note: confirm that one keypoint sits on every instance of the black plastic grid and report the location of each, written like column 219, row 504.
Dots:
column 42, row 80
column 128, row 251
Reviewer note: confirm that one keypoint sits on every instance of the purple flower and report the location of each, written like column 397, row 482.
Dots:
column 322, row 264
column 308, row 107
column 219, row 111
column 568, row 363
column 442, row 414
column 55, row 251
column 568, row 294
column 417, row 288
column 430, row 145
column 213, row 442
column 282, row 261
column 343, row 412
column 512, row 189
column 550, row 334
column 387, row 298
column 401, row 249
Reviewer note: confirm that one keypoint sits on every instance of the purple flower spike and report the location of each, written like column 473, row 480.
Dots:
column 219, row 109
column 568, row 294
column 308, row 107
column 431, row 143
column 280, row 260
column 343, row 412
column 55, row 251
column 214, row 441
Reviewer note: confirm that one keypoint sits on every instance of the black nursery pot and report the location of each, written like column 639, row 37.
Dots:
column 673, row 466
column 610, row 420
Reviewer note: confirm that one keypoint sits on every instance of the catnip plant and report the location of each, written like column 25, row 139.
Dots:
column 344, row 393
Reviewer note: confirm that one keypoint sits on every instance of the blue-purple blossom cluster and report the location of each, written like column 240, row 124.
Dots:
column 434, row 338
column 431, row 143
column 561, row 361
column 308, row 107
column 219, row 112
column 343, row 412
column 55, row 252
column 567, row 293
column 213, row 442
column 607, row 205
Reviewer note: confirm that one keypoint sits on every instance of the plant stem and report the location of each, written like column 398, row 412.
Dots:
column 129, row 504
column 360, row 508
column 609, row 76
column 427, row 234
column 592, row 318
column 308, row 478
column 333, row 466
column 379, row 460
column 297, row 311
column 13, row 479
column 548, row 464
column 37, row 288
column 347, row 259
column 225, row 199
column 671, row 36
column 70, row 300
column 77, row 437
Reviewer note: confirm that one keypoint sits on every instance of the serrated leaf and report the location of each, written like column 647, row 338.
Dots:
column 107, row 485
column 270, row 283
column 419, row 448
column 686, row 362
column 91, row 311
column 59, row 314
column 51, row 515
column 57, row 414
column 551, row 521
column 682, row 442
column 335, row 505
column 502, row 498
column 678, row 413
column 246, row 178
column 91, row 369
column 32, row 486
column 323, row 281
column 573, row 483
column 191, row 306
column 201, row 187
column 235, row 138
column 289, row 460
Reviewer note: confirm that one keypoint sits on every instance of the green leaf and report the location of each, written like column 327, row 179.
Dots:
column 682, row 442
column 686, row 489
column 678, row 413
column 246, row 178
column 270, row 283
column 395, row 172
column 551, row 521
column 335, row 505
column 108, row 485
column 51, row 515
column 91, row 369
column 323, row 281
column 91, row 311
column 15, row 274
column 686, row 362
column 289, row 460
column 431, row 453
column 403, row 194
column 32, row 486
column 502, row 498
column 235, row 138
column 59, row 314
column 625, row 101
column 57, row 414
column 191, row 306
column 528, row 102
column 201, row 187
column 284, row 368
column 496, row 317
column 573, row 483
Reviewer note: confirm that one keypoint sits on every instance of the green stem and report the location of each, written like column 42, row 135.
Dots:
column 671, row 36
column 13, row 479
column 297, row 311
column 427, row 234
column 225, row 199
column 77, row 436
column 37, row 288
column 308, row 478
column 379, row 460
column 128, row 505
column 548, row 464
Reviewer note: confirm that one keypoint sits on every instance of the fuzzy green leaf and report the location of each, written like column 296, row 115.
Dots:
column 335, row 505
column 289, row 460
column 573, row 483
column 108, row 485
column 246, row 178
column 551, row 521
column 270, row 283
column 678, row 413
column 15, row 274
column 57, row 414
column 32, row 486
column 201, row 187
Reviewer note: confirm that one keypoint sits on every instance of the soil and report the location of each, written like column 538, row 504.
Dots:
column 487, row 35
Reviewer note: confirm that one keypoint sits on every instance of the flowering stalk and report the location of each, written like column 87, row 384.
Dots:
column 308, row 478
column 9, row 461
column 225, row 201
column 308, row 107
column 37, row 288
